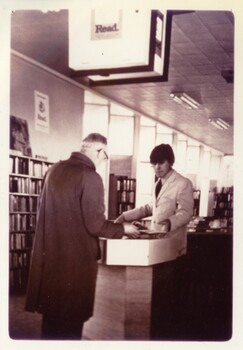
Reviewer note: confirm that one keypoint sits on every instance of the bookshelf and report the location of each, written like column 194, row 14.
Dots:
column 196, row 205
column 25, row 181
column 122, row 194
column 223, row 205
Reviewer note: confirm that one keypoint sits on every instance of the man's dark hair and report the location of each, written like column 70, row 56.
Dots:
column 161, row 153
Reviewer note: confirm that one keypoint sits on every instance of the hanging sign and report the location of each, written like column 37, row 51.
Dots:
column 42, row 112
column 106, row 25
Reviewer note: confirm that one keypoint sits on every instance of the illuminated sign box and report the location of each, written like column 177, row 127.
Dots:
column 113, row 46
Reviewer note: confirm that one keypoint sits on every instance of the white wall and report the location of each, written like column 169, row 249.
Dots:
column 66, row 101
column 227, row 172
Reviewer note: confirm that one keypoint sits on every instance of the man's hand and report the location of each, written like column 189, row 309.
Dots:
column 165, row 226
column 130, row 230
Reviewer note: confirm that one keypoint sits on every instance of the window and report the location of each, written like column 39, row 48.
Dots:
column 214, row 167
column 162, row 129
column 180, row 156
column 205, row 164
column 144, row 121
column 94, row 99
column 164, row 138
column 95, row 119
column 145, row 181
column 146, row 142
column 118, row 110
column 121, row 131
column 192, row 161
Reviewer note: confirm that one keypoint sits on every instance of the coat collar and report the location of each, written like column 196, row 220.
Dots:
column 78, row 156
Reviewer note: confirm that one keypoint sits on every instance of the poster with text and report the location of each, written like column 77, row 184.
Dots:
column 42, row 112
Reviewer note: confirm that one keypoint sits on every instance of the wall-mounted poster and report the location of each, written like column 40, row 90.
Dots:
column 41, row 112
column 19, row 136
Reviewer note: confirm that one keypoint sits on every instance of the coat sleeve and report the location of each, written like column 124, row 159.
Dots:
column 93, row 209
column 184, row 210
column 138, row 213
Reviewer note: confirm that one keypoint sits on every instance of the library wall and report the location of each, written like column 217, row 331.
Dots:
column 66, row 103
column 121, row 165
column 226, row 175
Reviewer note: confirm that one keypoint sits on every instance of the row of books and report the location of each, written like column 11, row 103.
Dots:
column 124, row 207
column 19, row 184
column 19, row 165
column 35, row 186
column 22, row 222
column 223, row 205
column 196, row 194
column 227, row 189
column 221, row 212
column 25, row 185
column 38, row 169
column 224, row 198
column 126, row 197
column 26, row 166
column 18, row 279
column 22, row 203
column 18, row 259
column 21, row 240
column 126, row 184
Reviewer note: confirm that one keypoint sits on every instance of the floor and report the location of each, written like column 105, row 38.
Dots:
column 23, row 325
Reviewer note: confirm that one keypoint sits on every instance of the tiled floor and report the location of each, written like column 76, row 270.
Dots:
column 23, row 325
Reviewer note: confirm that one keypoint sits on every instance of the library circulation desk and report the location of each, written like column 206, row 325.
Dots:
column 145, row 292
column 126, row 288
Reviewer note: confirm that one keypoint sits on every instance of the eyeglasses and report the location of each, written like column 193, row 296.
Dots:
column 105, row 154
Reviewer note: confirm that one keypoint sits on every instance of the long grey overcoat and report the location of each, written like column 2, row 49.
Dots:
column 70, row 219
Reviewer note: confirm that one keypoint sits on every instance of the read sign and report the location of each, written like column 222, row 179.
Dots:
column 41, row 112
column 108, row 38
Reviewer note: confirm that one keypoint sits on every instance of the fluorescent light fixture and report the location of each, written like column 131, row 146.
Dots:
column 185, row 100
column 219, row 123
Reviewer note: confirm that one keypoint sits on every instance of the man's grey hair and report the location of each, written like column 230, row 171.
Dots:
column 92, row 138
column 95, row 137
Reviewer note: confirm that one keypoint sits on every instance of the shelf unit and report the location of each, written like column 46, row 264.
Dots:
column 25, row 181
column 196, row 206
column 223, row 205
column 122, row 194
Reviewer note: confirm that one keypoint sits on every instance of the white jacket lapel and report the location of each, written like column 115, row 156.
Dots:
column 167, row 184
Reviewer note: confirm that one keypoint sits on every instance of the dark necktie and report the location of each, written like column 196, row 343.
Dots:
column 158, row 188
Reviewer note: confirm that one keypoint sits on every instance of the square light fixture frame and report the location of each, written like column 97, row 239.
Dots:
column 137, row 74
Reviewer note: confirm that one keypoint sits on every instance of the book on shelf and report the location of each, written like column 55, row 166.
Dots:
column 122, row 193
column 25, row 185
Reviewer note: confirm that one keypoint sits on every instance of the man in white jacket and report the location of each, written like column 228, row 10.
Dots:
column 172, row 206
column 171, row 210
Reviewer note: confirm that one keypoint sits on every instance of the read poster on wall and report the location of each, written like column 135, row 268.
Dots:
column 42, row 112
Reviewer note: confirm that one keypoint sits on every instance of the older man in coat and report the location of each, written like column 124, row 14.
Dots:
column 71, row 217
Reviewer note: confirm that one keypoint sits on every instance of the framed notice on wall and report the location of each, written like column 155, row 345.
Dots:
column 42, row 112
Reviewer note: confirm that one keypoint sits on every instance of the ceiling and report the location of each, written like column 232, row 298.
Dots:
column 202, row 45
